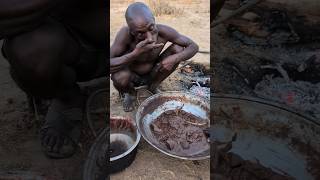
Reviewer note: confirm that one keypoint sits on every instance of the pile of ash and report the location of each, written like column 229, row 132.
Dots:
column 196, row 79
column 275, row 43
column 200, row 91
column 300, row 95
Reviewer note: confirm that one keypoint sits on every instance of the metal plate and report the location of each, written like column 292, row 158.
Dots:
column 155, row 105
column 277, row 137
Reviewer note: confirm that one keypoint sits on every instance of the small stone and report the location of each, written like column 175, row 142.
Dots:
column 250, row 16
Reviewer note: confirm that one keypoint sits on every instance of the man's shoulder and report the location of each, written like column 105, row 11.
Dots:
column 163, row 27
column 124, row 30
column 166, row 31
column 123, row 34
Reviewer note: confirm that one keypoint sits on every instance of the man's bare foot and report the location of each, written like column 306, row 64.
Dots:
column 154, row 90
column 128, row 102
column 61, row 131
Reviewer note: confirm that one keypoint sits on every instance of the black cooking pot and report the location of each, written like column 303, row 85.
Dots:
column 117, row 144
column 124, row 139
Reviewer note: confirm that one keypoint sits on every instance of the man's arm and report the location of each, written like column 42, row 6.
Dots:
column 118, row 58
column 216, row 6
column 190, row 47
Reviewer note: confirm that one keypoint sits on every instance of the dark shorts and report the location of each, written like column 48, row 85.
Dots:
column 141, row 80
column 91, row 65
column 93, row 61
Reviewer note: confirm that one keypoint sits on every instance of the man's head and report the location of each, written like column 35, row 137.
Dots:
column 141, row 22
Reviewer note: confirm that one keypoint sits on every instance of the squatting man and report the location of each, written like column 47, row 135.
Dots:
column 137, row 57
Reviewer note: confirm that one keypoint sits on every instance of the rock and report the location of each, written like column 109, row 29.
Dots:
column 250, row 16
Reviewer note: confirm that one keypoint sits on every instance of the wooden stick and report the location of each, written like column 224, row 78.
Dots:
column 204, row 52
column 35, row 107
column 279, row 68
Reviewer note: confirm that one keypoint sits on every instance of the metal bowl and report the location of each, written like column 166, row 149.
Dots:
column 272, row 134
column 155, row 105
column 106, row 146
column 124, row 139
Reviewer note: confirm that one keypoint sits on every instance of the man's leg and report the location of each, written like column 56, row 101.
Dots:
column 216, row 6
column 123, row 82
column 40, row 61
column 156, row 76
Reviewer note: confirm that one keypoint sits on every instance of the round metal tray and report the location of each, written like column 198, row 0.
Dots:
column 274, row 135
column 155, row 105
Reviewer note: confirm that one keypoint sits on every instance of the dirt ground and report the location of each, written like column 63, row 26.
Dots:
column 192, row 19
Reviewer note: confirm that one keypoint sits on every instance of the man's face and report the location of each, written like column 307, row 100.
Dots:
column 143, row 28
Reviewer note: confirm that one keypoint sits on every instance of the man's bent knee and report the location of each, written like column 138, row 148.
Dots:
column 37, row 58
column 121, row 79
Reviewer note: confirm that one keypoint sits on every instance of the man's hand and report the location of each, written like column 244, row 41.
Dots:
column 146, row 45
column 168, row 64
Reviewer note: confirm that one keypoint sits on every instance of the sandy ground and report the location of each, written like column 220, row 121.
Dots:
column 194, row 23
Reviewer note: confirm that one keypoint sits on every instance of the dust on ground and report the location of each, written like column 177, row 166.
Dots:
column 191, row 18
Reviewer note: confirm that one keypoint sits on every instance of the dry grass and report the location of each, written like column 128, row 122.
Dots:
column 160, row 8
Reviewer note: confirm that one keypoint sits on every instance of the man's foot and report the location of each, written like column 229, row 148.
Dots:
column 154, row 90
column 128, row 102
column 61, row 131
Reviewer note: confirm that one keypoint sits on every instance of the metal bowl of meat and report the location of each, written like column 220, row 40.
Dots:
column 252, row 137
column 175, row 124
column 124, row 140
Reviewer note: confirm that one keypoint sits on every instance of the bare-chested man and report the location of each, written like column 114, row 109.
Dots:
column 136, row 58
